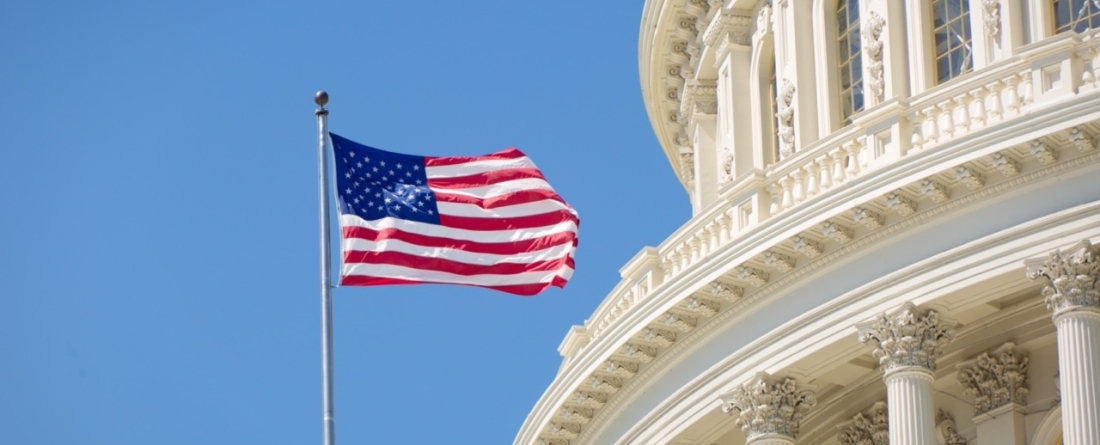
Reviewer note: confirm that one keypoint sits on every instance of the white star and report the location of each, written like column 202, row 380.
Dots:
column 417, row 182
column 421, row 203
column 427, row 196
column 360, row 165
column 388, row 200
column 366, row 158
column 381, row 208
column 345, row 160
column 370, row 204
column 368, row 175
column 382, row 163
column 399, row 166
column 347, row 175
column 409, row 174
column 391, row 172
column 356, row 184
column 347, row 192
column 378, row 195
column 416, row 167
column 352, row 154
column 430, row 211
column 356, row 200
column 375, row 169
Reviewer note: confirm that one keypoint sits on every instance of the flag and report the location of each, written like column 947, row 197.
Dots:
column 490, row 221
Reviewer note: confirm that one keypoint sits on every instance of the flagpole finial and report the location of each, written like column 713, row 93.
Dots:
column 321, row 98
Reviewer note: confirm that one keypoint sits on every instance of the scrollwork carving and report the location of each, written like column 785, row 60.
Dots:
column 765, row 405
column 907, row 338
column 996, row 378
column 1072, row 278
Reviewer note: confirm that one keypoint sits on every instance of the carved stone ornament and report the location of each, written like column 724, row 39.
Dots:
column 768, row 406
column 908, row 338
column 992, row 16
column 900, row 203
column 764, row 19
column 836, row 231
column 1005, row 164
column 866, row 428
column 751, row 275
column 807, row 246
column 1082, row 140
column 996, row 378
column 1073, row 278
column 727, row 292
column 934, row 190
column 785, row 115
column 946, row 430
column 698, row 98
column 728, row 28
column 872, row 49
column 687, row 166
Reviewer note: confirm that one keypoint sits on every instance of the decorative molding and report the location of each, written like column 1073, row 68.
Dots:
column 768, row 406
column 866, row 428
column 642, row 354
column 564, row 430
column 1072, row 277
column 1042, row 152
column 576, row 414
column 837, row 232
column 698, row 98
column 1082, row 140
column 588, row 399
column 764, row 21
column 996, row 378
column 659, row 337
column 621, row 368
column 991, row 10
column 900, row 204
column 946, row 430
column 605, row 384
column 808, row 247
column 872, row 49
column 934, row 190
column 969, row 177
column 726, row 291
column 907, row 338
column 1006, row 164
column 752, row 276
column 867, row 217
column 778, row 261
column 682, row 323
column 726, row 29
column 703, row 307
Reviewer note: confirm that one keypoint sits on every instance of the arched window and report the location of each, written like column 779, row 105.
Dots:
column 849, row 50
column 951, row 28
column 1076, row 15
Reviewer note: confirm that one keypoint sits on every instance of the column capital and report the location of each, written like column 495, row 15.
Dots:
column 1072, row 278
column 908, row 338
column 768, row 406
column 866, row 428
column 728, row 28
column 996, row 378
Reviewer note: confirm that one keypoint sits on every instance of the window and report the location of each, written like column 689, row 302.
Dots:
column 1076, row 15
column 851, row 63
column 951, row 27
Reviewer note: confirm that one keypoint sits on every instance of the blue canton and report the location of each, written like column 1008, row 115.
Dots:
column 375, row 184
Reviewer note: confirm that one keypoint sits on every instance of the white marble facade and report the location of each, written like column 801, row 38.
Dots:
column 894, row 241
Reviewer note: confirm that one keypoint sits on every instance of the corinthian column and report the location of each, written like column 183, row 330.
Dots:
column 1073, row 293
column 998, row 382
column 907, row 344
column 769, row 410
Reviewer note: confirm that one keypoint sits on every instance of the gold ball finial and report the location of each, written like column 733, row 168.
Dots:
column 321, row 98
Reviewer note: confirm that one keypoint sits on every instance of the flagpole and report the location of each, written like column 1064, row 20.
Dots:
column 321, row 98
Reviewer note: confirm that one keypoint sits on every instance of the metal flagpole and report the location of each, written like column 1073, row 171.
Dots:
column 321, row 98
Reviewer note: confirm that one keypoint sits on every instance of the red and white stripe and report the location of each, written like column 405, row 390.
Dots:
column 501, row 226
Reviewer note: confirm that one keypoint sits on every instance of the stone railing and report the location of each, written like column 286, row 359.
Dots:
column 1040, row 76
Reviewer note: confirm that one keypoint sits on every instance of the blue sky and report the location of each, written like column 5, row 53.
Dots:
column 158, row 239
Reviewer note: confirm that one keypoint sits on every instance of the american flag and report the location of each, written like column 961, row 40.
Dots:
column 490, row 221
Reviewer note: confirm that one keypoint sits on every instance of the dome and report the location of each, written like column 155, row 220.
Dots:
column 895, row 212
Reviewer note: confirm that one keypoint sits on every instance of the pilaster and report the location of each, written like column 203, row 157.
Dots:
column 769, row 410
column 998, row 382
column 1072, row 291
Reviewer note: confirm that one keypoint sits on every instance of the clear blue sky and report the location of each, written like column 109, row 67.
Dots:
column 158, row 232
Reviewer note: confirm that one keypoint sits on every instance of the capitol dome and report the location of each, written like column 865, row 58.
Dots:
column 894, row 210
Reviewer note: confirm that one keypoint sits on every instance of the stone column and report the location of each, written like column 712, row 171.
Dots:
column 769, row 410
column 907, row 344
column 1073, row 293
column 998, row 382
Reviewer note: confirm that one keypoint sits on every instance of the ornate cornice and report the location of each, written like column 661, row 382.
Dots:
column 996, row 378
column 908, row 338
column 766, row 405
column 728, row 28
column 698, row 98
column 1072, row 278
column 866, row 428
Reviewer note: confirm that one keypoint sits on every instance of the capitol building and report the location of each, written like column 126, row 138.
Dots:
column 895, row 235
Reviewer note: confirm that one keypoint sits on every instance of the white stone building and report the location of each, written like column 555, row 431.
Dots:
column 893, row 204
